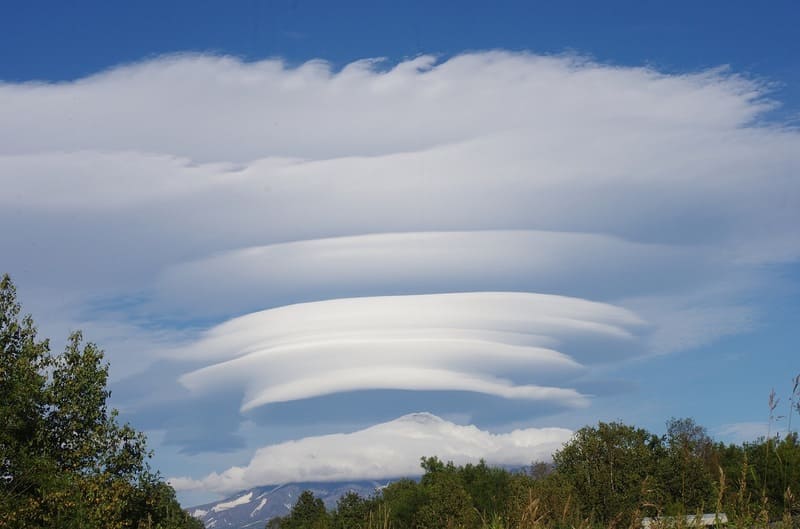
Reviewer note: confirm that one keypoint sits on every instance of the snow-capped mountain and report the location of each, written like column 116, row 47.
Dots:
column 254, row 507
column 392, row 448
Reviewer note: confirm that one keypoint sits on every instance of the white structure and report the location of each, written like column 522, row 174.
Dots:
column 699, row 521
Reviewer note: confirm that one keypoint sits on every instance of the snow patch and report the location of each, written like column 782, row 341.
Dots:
column 199, row 513
column 259, row 507
column 241, row 500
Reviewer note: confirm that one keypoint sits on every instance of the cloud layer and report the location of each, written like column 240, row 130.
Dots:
column 421, row 262
column 265, row 108
column 501, row 223
column 391, row 449
column 497, row 343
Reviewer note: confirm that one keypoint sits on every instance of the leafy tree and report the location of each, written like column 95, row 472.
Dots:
column 688, row 477
column 23, row 363
column 308, row 513
column 488, row 487
column 403, row 499
column 352, row 512
column 613, row 468
column 64, row 459
column 447, row 502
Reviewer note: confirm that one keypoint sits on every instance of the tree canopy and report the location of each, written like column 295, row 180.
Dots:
column 65, row 459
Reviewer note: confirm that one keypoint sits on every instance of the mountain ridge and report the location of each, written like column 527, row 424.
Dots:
column 254, row 507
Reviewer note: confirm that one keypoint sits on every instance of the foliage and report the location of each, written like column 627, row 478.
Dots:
column 690, row 466
column 308, row 513
column 489, row 487
column 65, row 461
column 608, row 466
column 403, row 500
column 352, row 511
column 447, row 504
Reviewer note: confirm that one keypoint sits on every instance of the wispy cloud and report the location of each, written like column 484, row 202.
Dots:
column 740, row 432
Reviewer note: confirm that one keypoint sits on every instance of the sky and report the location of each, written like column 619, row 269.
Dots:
column 318, row 241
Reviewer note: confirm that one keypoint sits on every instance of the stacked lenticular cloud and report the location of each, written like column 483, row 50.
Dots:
column 506, row 225
column 498, row 343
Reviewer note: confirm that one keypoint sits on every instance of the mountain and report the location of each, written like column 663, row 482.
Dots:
column 252, row 508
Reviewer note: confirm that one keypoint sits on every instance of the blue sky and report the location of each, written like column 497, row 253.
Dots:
column 526, row 216
column 55, row 41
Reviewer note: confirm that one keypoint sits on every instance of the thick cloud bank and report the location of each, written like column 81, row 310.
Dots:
column 220, row 109
column 391, row 449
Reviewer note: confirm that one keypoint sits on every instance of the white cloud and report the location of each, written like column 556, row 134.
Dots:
column 391, row 449
column 498, row 343
column 420, row 262
column 210, row 156
column 741, row 432
column 207, row 188
column 219, row 108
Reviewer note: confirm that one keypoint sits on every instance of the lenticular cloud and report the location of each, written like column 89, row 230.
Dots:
column 590, row 265
column 497, row 343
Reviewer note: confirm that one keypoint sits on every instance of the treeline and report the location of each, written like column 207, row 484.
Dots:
column 65, row 460
column 610, row 475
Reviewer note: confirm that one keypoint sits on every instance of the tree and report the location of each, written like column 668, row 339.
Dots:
column 612, row 467
column 489, row 488
column 447, row 502
column 65, row 461
column 689, row 479
column 23, row 363
column 352, row 511
column 308, row 513
column 403, row 499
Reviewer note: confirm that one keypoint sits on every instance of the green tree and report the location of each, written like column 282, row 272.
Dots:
column 688, row 475
column 403, row 499
column 352, row 512
column 613, row 468
column 447, row 502
column 308, row 513
column 83, row 435
column 64, row 459
column 489, row 488
column 23, row 364
column 26, row 475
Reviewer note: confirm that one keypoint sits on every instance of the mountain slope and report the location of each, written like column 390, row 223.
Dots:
column 252, row 508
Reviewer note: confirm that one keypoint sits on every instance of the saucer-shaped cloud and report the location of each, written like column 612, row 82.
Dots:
column 391, row 449
column 497, row 343
column 420, row 262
